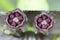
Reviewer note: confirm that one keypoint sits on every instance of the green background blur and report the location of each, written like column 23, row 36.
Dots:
column 7, row 5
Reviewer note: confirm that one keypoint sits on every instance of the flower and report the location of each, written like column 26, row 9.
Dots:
column 15, row 18
column 43, row 22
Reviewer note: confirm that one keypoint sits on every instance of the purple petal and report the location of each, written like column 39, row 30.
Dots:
column 48, row 20
column 13, row 24
column 44, row 26
column 11, row 16
column 17, row 14
column 39, row 25
column 39, row 20
column 10, row 20
column 20, row 18
column 44, row 17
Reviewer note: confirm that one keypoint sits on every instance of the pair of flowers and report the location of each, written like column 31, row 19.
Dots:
column 16, row 18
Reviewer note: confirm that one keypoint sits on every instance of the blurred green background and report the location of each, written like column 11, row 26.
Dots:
column 7, row 5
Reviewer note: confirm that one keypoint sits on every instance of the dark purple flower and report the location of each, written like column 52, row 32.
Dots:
column 43, row 21
column 15, row 18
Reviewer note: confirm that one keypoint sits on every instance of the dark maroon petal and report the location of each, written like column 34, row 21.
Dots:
column 39, row 20
column 21, row 21
column 39, row 25
column 48, row 20
column 20, row 18
column 11, row 16
column 16, row 14
column 10, row 20
column 44, row 17
column 44, row 26
column 13, row 24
